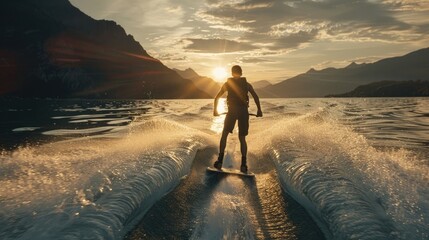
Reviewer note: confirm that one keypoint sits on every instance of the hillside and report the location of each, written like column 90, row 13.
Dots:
column 390, row 89
column 314, row 83
column 261, row 84
column 205, row 84
column 58, row 51
column 188, row 73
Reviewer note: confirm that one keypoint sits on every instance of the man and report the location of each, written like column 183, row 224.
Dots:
column 238, row 103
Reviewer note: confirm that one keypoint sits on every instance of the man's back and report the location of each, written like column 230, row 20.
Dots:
column 237, row 92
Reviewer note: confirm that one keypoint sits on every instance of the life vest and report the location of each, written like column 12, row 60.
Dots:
column 237, row 92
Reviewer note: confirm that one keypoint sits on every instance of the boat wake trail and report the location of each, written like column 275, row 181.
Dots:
column 93, row 187
column 211, row 206
column 352, row 190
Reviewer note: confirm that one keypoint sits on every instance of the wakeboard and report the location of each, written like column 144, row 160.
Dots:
column 230, row 171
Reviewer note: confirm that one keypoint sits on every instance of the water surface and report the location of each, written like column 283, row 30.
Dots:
column 357, row 169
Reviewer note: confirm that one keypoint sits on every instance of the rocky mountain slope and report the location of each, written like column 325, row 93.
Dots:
column 49, row 48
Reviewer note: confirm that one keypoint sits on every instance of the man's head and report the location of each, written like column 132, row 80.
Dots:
column 236, row 71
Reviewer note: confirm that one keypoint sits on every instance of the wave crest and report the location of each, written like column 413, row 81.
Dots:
column 93, row 187
column 353, row 190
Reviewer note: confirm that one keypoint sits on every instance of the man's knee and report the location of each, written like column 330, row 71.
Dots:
column 224, row 134
column 242, row 138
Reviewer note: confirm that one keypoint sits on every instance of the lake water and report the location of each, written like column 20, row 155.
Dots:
column 357, row 169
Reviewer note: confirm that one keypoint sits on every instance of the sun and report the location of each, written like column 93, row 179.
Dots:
column 219, row 74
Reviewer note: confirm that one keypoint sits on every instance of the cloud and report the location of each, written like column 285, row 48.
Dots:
column 253, row 60
column 152, row 13
column 409, row 5
column 293, row 40
column 281, row 25
column 162, row 13
column 169, row 57
column 236, row 28
column 216, row 45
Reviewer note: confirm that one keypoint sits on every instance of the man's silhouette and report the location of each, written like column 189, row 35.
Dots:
column 238, row 103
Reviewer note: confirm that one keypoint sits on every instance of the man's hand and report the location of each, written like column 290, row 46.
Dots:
column 259, row 114
column 219, row 94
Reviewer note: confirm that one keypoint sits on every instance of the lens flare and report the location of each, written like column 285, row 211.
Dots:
column 219, row 73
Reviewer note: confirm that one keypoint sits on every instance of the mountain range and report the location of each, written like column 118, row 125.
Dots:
column 49, row 48
column 416, row 88
column 319, row 83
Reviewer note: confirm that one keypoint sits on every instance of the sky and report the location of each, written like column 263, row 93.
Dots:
column 271, row 39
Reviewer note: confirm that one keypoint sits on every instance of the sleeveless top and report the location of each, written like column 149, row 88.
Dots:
column 237, row 92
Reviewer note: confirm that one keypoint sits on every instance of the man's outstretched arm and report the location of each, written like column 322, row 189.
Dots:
column 256, row 98
column 216, row 100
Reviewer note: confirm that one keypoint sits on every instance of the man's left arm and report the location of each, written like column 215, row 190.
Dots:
column 256, row 98
column 216, row 100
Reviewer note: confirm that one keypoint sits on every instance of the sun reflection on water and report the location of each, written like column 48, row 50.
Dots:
column 217, row 123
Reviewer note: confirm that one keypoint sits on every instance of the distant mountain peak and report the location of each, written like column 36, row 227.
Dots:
column 261, row 84
column 311, row 70
column 205, row 84
column 190, row 70
column 354, row 65
column 188, row 73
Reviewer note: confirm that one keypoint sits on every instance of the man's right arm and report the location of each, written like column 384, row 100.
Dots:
column 256, row 98
column 216, row 100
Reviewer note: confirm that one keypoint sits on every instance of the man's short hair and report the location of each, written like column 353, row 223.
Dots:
column 237, row 69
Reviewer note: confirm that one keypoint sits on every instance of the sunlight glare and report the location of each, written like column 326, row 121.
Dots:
column 219, row 73
column 221, row 106
column 217, row 124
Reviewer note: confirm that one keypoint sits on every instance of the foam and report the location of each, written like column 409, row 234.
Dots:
column 352, row 189
column 93, row 187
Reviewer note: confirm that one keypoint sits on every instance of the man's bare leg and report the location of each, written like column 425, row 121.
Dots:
column 223, row 139
column 222, row 146
column 243, row 148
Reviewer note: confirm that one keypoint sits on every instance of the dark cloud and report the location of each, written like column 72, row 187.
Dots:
column 423, row 28
column 268, row 13
column 217, row 45
column 293, row 40
column 271, row 44
column 279, row 24
column 256, row 17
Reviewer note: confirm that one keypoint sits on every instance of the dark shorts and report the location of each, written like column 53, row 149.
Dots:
column 240, row 115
